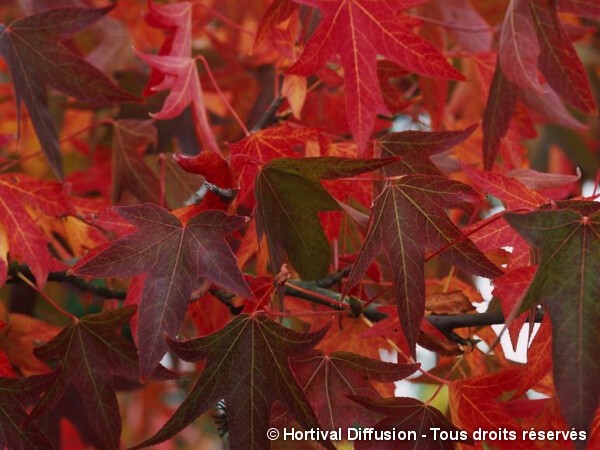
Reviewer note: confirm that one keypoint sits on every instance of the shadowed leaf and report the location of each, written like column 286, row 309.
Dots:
column 289, row 195
column 36, row 57
column 130, row 172
column 567, row 283
column 15, row 431
column 247, row 365
column 91, row 353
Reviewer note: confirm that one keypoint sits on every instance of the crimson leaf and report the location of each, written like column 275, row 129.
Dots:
column 175, row 257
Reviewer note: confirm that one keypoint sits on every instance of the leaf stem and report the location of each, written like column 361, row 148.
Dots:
column 47, row 297
column 220, row 92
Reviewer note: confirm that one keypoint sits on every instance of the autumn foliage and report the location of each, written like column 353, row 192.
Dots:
column 214, row 216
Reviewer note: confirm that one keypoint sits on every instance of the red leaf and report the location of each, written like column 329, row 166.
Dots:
column 512, row 192
column 175, row 69
column 248, row 366
column 511, row 288
column 539, row 358
column 357, row 31
column 473, row 406
column 519, row 47
column 558, row 60
column 22, row 199
column 176, row 258
column 586, row 8
column 32, row 48
column 499, row 109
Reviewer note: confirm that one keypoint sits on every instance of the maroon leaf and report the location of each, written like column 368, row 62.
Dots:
column 33, row 51
column 409, row 218
column 247, row 365
column 416, row 147
column 410, row 415
column 558, row 60
column 91, row 352
column 130, row 172
column 175, row 257
column 328, row 380
column 499, row 109
column 15, row 431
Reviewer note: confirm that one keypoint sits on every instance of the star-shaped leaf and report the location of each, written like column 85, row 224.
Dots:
column 566, row 281
column 91, row 352
column 247, row 365
column 174, row 257
column 33, row 51
column 357, row 31
column 409, row 414
column 327, row 381
column 409, row 218
column 289, row 196
column 15, row 431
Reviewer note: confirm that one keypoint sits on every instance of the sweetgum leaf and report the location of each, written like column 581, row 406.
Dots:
column 175, row 257
column 409, row 218
column 247, row 365
column 328, row 380
column 566, row 282
column 15, row 431
column 91, row 353
column 409, row 414
column 358, row 31
column 289, row 195
column 36, row 58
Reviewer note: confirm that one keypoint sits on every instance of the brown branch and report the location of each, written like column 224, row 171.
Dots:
column 311, row 291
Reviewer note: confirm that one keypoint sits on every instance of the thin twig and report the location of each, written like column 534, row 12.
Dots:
column 310, row 291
